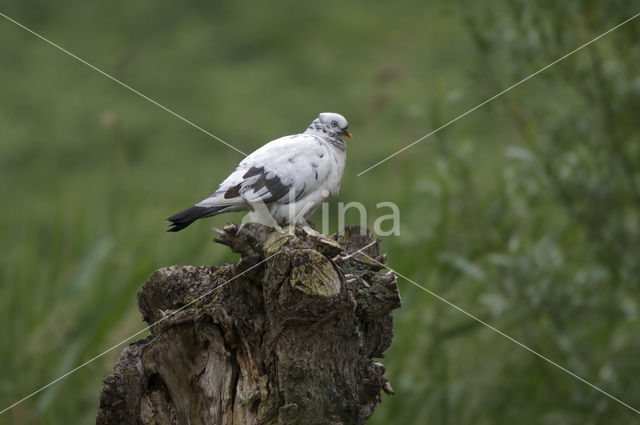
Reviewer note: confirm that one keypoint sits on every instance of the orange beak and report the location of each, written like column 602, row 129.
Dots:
column 348, row 134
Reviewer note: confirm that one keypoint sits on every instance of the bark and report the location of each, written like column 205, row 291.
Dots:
column 289, row 340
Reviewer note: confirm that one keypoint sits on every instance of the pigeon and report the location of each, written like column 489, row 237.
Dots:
column 284, row 181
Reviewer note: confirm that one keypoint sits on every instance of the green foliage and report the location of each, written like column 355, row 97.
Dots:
column 526, row 213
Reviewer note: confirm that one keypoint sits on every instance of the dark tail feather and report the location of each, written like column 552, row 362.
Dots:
column 184, row 218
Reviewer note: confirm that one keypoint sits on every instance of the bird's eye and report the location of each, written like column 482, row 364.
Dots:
column 334, row 123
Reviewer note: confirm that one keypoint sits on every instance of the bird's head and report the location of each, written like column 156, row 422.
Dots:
column 331, row 124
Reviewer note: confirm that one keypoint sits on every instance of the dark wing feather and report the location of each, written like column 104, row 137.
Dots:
column 259, row 185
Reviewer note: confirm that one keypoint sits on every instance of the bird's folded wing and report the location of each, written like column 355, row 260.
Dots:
column 283, row 170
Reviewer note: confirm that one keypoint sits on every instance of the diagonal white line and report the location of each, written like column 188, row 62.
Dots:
column 133, row 336
column 137, row 92
column 500, row 94
column 120, row 82
column 498, row 331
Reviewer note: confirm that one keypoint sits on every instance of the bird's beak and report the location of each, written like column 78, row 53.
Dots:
column 347, row 133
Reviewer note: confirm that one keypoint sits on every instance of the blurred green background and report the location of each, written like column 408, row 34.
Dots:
column 526, row 213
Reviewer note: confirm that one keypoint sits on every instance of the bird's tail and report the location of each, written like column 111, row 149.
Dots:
column 184, row 218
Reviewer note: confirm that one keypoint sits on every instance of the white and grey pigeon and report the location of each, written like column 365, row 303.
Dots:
column 288, row 178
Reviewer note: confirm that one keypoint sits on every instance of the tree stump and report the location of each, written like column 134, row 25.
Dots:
column 289, row 340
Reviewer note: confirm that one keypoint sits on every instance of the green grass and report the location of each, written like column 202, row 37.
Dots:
column 90, row 171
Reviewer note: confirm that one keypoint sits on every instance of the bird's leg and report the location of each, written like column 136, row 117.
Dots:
column 290, row 229
column 261, row 214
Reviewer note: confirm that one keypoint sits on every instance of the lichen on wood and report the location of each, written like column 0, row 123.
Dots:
column 292, row 339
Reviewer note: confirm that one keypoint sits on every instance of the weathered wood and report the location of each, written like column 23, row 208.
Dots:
column 289, row 341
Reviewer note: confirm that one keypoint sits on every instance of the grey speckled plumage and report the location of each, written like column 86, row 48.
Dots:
column 284, row 181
